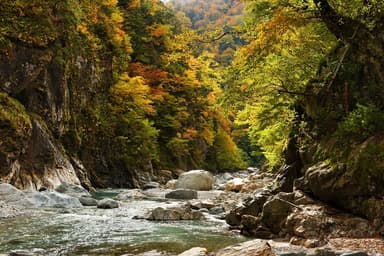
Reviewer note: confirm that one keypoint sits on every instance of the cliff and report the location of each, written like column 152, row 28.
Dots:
column 56, row 71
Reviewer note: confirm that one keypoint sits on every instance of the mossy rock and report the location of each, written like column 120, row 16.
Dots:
column 15, row 125
column 352, row 182
column 366, row 165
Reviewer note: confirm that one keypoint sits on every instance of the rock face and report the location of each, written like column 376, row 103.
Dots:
column 195, row 179
column 42, row 165
column 51, row 93
column 352, row 187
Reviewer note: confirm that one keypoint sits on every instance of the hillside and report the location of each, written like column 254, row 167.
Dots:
column 109, row 92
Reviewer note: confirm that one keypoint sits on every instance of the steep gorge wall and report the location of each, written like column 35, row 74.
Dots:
column 54, row 92
column 343, row 160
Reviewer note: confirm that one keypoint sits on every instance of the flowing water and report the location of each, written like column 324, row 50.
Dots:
column 92, row 231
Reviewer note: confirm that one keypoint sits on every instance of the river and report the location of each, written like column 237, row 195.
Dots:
column 92, row 231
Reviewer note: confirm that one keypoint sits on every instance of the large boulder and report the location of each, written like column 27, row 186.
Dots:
column 251, row 207
column 53, row 199
column 354, row 182
column 72, row 190
column 195, row 179
column 276, row 210
column 88, row 201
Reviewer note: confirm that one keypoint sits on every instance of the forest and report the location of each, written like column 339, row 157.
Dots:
column 131, row 87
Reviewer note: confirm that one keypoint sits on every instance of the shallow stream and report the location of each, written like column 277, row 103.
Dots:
column 92, row 231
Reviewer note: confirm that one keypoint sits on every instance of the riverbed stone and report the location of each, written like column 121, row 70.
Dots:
column 87, row 201
column 217, row 210
column 235, row 185
column 130, row 194
column 195, row 251
column 354, row 253
column 195, row 179
column 250, row 248
column 107, row 203
column 171, row 184
column 174, row 214
column 182, row 194
column 150, row 185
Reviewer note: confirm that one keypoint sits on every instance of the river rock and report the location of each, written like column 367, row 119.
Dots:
column 250, row 248
column 150, row 185
column 195, row 251
column 182, row 194
column 107, row 203
column 200, row 204
column 72, row 190
column 22, row 253
column 354, row 253
column 42, row 188
column 88, row 201
column 174, row 214
column 171, row 184
column 252, row 206
column 130, row 194
column 275, row 211
column 218, row 210
column 235, row 185
column 53, row 199
column 195, row 179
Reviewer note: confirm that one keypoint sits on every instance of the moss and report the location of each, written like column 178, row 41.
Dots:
column 371, row 162
column 15, row 124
